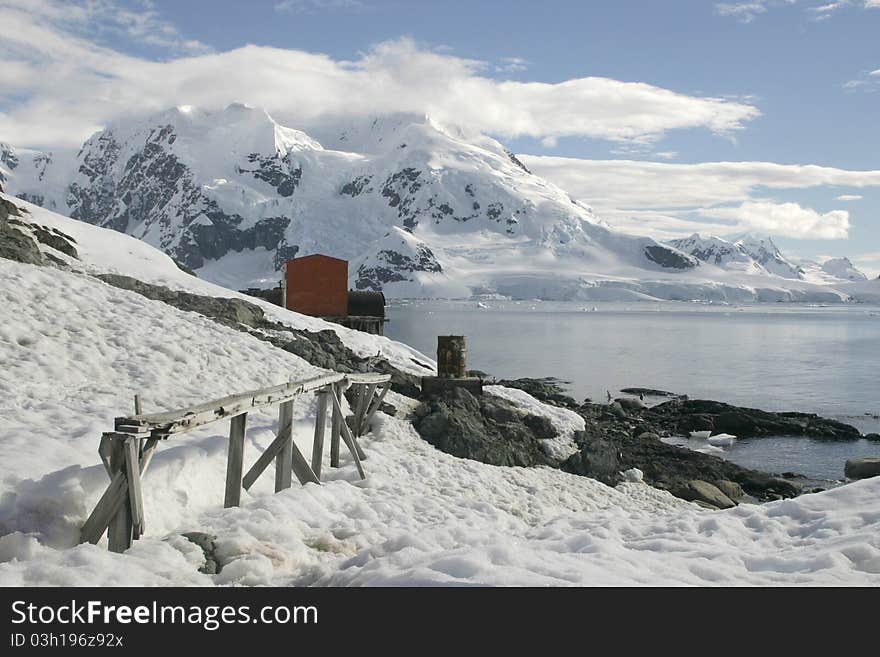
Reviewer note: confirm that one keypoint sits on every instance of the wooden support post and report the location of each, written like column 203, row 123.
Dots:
column 377, row 402
column 235, row 460
column 320, row 430
column 132, row 450
column 105, row 447
column 364, row 402
column 266, row 457
column 285, row 455
column 350, row 441
column 335, row 426
column 120, row 526
column 302, row 469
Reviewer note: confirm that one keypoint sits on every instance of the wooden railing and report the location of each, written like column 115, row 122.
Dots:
column 127, row 451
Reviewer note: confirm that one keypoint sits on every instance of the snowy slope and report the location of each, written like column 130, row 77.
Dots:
column 420, row 210
column 75, row 351
column 842, row 268
column 747, row 254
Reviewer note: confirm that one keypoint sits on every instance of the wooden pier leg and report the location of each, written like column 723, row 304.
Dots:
column 349, row 439
column 320, row 430
column 235, row 460
column 119, row 531
column 285, row 456
column 335, row 428
column 132, row 450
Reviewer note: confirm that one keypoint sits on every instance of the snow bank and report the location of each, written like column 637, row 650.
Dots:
column 74, row 351
column 564, row 420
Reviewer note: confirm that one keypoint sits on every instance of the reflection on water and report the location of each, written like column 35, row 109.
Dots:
column 774, row 356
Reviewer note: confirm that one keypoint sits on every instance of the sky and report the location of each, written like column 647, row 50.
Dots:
column 667, row 117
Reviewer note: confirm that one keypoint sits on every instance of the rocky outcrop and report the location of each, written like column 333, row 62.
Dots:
column 486, row 428
column 698, row 490
column 21, row 239
column 681, row 416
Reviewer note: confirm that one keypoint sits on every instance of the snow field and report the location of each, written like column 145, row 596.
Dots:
column 74, row 351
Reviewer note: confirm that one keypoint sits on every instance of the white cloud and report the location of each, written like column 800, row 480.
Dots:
column 669, row 200
column 742, row 11
column 849, row 197
column 97, row 19
column 784, row 219
column 314, row 6
column 71, row 85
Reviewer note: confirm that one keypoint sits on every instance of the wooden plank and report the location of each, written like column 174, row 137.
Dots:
column 336, row 423
column 186, row 419
column 320, row 430
column 265, row 459
column 302, row 469
column 285, row 455
column 97, row 522
column 235, row 460
column 104, row 449
column 363, row 406
column 135, row 495
column 119, row 530
column 112, row 499
column 348, row 438
column 377, row 402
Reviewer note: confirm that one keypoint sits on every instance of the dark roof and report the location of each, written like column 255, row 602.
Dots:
column 369, row 304
column 318, row 255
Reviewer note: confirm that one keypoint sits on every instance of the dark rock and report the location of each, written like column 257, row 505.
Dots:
column 698, row 490
column 649, row 392
column 669, row 258
column 597, row 458
column 487, row 429
column 541, row 426
column 683, row 415
column 208, row 543
column 548, row 390
column 730, row 488
column 873, row 436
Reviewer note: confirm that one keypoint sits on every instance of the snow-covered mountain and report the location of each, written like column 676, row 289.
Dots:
column 843, row 268
column 747, row 254
column 419, row 209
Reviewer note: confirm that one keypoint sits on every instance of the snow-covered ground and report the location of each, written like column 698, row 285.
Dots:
column 74, row 352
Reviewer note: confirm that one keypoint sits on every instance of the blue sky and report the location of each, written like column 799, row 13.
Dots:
column 765, row 81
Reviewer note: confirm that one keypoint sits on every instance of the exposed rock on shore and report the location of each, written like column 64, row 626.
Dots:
column 486, row 428
column 683, row 415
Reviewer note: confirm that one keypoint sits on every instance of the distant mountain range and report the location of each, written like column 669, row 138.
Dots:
column 419, row 210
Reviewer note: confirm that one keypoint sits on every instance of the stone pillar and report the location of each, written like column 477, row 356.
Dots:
column 451, row 356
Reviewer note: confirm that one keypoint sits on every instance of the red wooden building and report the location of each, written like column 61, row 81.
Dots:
column 317, row 285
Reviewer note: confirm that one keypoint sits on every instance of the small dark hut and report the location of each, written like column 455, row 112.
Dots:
column 366, row 312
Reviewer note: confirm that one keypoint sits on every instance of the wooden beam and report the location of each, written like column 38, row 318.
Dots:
column 162, row 425
column 235, row 460
column 336, row 423
column 320, row 430
column 377, row 402
column 364, row 403
column 265, row 459
column 135, row 495
column 119, row 531
column 112, row 499
column 104, row 449
column 348, row 438
column 302, row 469
column 285, row 454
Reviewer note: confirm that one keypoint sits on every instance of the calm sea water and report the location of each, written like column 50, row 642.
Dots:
column 816, row 359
